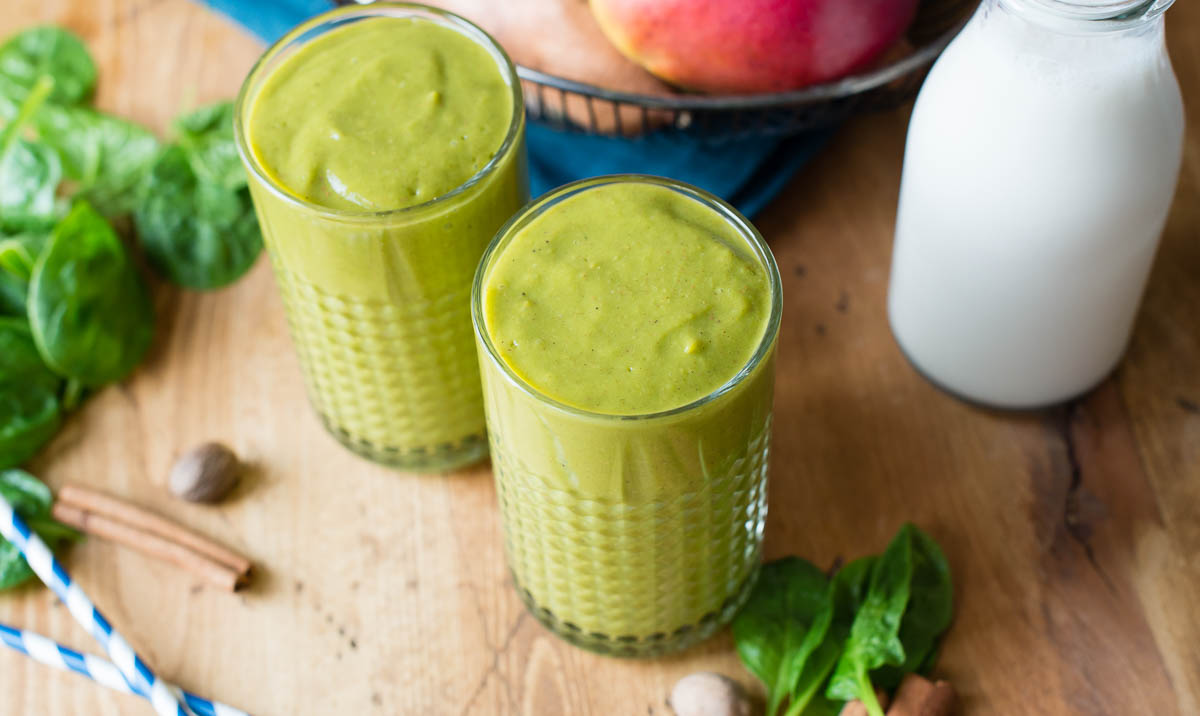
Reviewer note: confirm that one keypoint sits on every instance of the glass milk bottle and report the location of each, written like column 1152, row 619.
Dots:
column 1041, row 162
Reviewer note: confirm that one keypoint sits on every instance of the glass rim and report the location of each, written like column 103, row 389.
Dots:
column 250, row 159
column 754, row 240
column 1098, row 15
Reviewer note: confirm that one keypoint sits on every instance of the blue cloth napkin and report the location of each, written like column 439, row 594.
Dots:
column 748, row 173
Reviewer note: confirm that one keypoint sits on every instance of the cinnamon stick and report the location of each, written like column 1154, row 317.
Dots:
column 100, row 504
column 213, row 572
column 918, row 696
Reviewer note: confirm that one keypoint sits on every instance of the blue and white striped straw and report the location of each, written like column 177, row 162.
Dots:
column 45, row 651
column 164, row 698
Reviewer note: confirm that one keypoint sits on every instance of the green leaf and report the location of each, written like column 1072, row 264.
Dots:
column 51, row 530
column 19, row 357
column 874, row 637
column 206, row 136
column 107, row 157
column 29, row 173
column 198, row 234
column 18, row 254
column 788, row 596
column 30, row 412
column 29, row 178
column 14, row 570
column 12, row 295
column 32, row 501
column 823, row 644
column 89, row 309
column 929, row 611
column 28, row 495
column 47, row 51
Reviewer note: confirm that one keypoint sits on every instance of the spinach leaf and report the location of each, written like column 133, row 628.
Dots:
column 823, row 644
column 12, row 295
column 32, row 500
column 789, row 594
column 29, row 178
column 47, row 51
column 878, row 619
column 19, row 357
column 17, row 256
column 29, row 416
column 105, row 156
column 88, row 307
column 28, row 495
column 206, row 136
column 197, row 233
column 30, row 413
column 875, row 635
column 929, row 611
column 29, row 173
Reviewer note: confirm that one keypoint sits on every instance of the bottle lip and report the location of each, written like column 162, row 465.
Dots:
column 1101, row 14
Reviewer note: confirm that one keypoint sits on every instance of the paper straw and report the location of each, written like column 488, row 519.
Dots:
column 45, row 651
column 164, row 698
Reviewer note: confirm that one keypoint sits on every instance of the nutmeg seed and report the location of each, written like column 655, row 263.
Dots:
column 707, row 694
column 205, row 473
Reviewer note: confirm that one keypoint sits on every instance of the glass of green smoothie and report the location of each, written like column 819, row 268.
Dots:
column 626, row 329
column 385, row 146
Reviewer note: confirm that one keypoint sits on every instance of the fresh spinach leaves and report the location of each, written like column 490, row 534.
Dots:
column 17, row 256
column 29, row 177
column 824, row 642
column 75, row 313
column 46, row 52
column 106, row 157
column 29, row 173
column 772, row 626
column 877, row 619
column 206, row 136
column 12, row 295
column 910, row 584
column 89, row 310
column 29, row 404
column 928, row 613
column 32, row 501
column 198, row 233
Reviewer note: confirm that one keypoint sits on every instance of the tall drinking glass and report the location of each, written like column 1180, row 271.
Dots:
column 376, row 279
column 629, row 532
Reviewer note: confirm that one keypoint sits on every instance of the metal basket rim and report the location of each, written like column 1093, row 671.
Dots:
column 845, row 87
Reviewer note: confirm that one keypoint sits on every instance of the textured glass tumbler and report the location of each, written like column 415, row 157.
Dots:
column 632, row 535
column 378, row 303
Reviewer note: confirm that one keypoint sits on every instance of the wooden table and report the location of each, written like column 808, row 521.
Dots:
column 1074, row 534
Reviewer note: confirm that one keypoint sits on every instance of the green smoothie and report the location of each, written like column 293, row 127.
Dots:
column 386, row 147
column 627, row 329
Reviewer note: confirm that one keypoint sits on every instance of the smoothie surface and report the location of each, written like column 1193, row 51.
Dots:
column 381, row 114
column 627, row 299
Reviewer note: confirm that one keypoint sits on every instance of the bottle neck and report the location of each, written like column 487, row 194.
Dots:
column 1091, row 15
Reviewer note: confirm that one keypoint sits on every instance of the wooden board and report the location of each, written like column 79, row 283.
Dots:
column 1073, row 533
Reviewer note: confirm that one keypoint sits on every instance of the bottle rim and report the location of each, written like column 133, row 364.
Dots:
column 1102, row 14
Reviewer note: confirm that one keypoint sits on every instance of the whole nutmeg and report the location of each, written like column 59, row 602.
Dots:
column 707, row 694
column 205, row 473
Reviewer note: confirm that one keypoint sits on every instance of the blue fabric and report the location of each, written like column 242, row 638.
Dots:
column 748, row 173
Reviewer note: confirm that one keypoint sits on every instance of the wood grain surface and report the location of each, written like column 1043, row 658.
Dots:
column 1074, row 533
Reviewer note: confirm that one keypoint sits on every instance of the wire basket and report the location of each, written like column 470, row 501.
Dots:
column 586, row 108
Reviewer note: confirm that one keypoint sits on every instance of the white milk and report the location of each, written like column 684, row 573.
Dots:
column 1041, row 161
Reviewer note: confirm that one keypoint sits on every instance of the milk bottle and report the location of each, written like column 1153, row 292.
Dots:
column 1042, row 157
